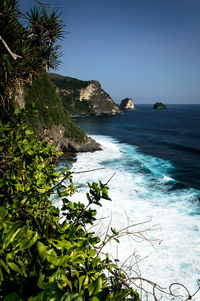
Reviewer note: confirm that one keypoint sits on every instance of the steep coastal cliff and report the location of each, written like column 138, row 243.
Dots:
column 51, row 121
column 84, row 97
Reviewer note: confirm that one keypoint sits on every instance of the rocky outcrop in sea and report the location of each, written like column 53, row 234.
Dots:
column 159, row 106
column 127, row 104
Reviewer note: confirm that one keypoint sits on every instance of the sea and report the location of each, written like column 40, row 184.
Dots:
column 151, row 161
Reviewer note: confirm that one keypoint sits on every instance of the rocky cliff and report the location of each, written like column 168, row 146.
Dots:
column 127, row 104
column 84, row 97
column 51, row 121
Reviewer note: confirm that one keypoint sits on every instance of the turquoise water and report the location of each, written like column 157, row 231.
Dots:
column 154, row 184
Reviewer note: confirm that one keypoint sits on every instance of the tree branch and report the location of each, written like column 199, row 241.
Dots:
column 48, row 5
column 14, row 56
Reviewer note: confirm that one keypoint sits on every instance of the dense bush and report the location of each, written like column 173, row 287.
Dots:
column 47, row 253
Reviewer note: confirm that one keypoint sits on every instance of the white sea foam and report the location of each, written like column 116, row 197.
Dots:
column 140, row 191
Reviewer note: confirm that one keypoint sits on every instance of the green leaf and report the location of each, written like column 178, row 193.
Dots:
column 10, row 235
column 104, row 295
column 80, row 282
column 14, row 267
column 114, row 231
column 4, row 265
column 42, row 251
column 56, row 173
column 29, row 132
column 60, row 261
column 2, row 183
column 92, row 252
column 24, row 239
column 12, row 297
column 88, row 197
column 86, row 280
column 61, row 244
column 95, row 287
column 65, row 225
column 41, row 190
column 120, row 296
column 1, row 275
column 41, row 283
column 71, row 297
column 52, row 293
column 3, row 212
column 94, row 298
column 105, row 194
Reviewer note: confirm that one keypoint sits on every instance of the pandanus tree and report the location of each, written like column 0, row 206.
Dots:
column 44, row 31
column 28, row 46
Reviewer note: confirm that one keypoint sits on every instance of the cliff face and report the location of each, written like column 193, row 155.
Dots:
column 51, row 121
column 127, row 104
column 84, row 97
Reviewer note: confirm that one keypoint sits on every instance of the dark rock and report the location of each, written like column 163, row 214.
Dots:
column 159, row 105
column 56, row 136
column 127, row 104
column 88, row 146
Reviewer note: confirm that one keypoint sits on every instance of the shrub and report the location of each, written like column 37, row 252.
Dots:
column 47, row 253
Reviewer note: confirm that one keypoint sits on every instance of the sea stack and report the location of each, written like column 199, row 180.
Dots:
column 159, row 106
column 127, row 104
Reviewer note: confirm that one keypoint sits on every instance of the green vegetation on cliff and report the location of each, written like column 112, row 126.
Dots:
column 50, row 111
column 71, row 83
column 69, row 91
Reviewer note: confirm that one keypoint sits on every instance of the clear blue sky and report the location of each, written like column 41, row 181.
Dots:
column 145, row 49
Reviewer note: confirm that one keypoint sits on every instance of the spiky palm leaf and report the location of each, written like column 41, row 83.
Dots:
column 45, row 28
column 34, row 42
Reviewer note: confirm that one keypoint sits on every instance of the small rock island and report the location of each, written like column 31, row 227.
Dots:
column 127, row 104
column 159, row 106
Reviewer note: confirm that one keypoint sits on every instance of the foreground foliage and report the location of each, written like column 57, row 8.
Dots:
column 47, row 253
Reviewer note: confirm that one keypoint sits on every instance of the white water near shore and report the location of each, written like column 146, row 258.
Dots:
column 141, row 190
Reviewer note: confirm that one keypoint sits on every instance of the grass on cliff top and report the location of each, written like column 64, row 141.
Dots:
column 66, row 82
column 50, row 111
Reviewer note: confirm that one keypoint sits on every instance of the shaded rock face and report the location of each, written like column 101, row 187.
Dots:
column 127, row 104
column 19, row 97
column 99, row 101
column 84, row 97
column 56, row 136
column 159, row 106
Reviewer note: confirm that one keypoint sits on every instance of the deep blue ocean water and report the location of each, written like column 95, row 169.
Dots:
column 154, row 157
column 172, row 134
